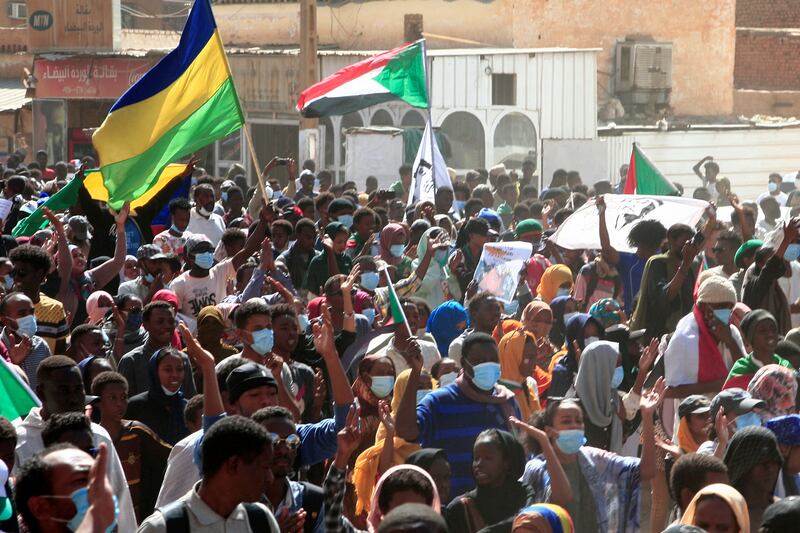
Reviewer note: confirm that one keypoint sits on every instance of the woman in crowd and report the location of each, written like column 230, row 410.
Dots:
column 543, row 518
column 556, row 281
column 776, row 385
column 446, row 323
column 719, row 508
column 331, row 261
column 375, row 382
column 599, row 375
column 434, row 462
column 563, row 308
column 393, row 243
column 517, row 366
column 581, row 331
column 760, row 331
column 432, row 287
column 161, row 407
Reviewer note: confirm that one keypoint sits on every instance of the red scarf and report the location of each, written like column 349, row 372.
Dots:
column 711, row 365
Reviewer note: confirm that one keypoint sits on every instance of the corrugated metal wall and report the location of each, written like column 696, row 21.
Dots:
column 746, row 157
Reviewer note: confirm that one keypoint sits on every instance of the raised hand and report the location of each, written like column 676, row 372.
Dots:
column 442, row 242
column 352, row 278
column 650, row 399
column 790, row 230
column 721, row 427
column 385, row 414
column 537, row 434
column 20, row 351
column 323, row 334
column 55, row 221
column 349, row 438
column 122, row 215
column 648, row 357
column 413, row 355
column 267, row 261
column 319, row 391
column 455, row 260
column 600, row 203
column 201, row 357
column 291, row 523
column 191, row 166
column 291, row 168
column 102, row 508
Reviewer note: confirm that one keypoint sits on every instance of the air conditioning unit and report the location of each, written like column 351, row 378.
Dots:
column 643, row 72
column 17, row 10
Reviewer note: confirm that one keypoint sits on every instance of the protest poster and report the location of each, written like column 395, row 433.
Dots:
column 623, row 212
column 498, row 268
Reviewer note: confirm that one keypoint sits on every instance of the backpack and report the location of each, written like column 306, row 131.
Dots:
column 176, row 517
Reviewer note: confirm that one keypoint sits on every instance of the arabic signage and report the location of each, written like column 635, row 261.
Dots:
column 102, row 78
column 73, row 25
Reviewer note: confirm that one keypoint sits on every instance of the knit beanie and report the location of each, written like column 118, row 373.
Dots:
column 716, row 290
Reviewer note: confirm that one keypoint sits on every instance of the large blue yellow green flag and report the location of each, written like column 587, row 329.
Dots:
column 185, row 102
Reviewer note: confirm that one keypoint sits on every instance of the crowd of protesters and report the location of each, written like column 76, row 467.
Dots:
column 315, row 356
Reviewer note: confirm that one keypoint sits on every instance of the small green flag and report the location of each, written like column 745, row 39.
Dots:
column 63, row 199
column 398, row 316
column 644, row 178
column 16, row 398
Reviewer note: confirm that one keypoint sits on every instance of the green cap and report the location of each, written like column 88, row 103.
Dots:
column 527, row 226
column 746, row 249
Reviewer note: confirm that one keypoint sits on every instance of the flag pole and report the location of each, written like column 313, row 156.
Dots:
column 245, row 129
column 393, row 293
column 430, row 115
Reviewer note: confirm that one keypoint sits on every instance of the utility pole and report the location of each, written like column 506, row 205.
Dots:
column 308, row 52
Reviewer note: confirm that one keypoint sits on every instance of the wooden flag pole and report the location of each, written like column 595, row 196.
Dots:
column 254, row 157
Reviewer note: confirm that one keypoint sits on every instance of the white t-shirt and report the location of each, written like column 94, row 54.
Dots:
column 791, row 288
column 781, row 197
column 197, row 293
column 212, row 227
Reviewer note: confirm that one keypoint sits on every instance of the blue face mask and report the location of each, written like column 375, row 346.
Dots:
column 304, row 322
column 8, row 281
column 263, row 341
column 80, row 498
column 204, row 260
column 485, row 375
column 224, row 196
column 421, row 394
column 772, row 186
column 27, row 325
column 792, row 252
column 370, row 280
column 447, row 379
column 570, row 440
column 567, row 316
column 616, row 379
column 440, row 256
column 397, row 250
column 347, row 220
column 747, row 420
column 562, row 291
column 174, row 228
column 723, row 315
column 369, row 312
column 134, row 321
column 458, row 205
column 382, row 386
column 149, row 278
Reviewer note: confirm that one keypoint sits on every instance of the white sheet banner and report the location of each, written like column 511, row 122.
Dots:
column 498, row 268
column 623, row 211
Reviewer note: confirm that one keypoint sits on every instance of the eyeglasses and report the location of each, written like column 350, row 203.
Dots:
column 292, row 441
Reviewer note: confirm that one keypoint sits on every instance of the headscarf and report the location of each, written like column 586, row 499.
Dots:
column 166, row 295
column 96, row 313
column 606, row 311
column 122, row 277
column 749, row 447
column 505, row 326
column 413, row 517
column 593, row 387
column 534, row 270
column 174, row 404
column 533, row 309
column 212, row 313
column 513, row 452
column 557, row 306
column 543, row 518
column 376, row 515
column 685, row 437
column 314, row 307
column 554, row 277
column 729, row 495
column 367, row 400
column 511, row 348
column 425, row 457
column 430, row 288
column 751, row 320
column 786, row 429
column 333, row 228
column 446, row 323
column 777, row 386
column 366, row 467
column 387, row 235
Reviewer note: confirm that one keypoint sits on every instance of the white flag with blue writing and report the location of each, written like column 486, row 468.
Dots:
column 429, row 172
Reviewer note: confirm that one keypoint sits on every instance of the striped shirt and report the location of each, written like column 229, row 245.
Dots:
column 449, row 420
column 51, row 320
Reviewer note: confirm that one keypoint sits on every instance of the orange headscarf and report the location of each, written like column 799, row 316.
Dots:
column 553, row 278
column 512, row 347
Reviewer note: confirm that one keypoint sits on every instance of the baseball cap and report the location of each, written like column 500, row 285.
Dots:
column 81, row 228
column 736, row 401
column 246, row 377
column 147, row 251
column 195, row 240
column 694, row 405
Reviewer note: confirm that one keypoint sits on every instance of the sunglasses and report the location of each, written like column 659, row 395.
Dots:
column 292, row 441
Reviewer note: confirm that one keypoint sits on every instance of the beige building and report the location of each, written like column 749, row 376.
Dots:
column 702, row 34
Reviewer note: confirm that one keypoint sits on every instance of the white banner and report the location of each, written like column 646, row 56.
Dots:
column 498, row 268
column 428, row 164
column 582, row 231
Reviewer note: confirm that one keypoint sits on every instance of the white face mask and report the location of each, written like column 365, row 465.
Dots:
column 168, row 392
column 447, row 379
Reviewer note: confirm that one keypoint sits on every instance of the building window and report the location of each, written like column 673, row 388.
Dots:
column 413, row 119
column 381, row 118
column 464, row 133
column 17, row 10
column 514, row 140
column 504, row 89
